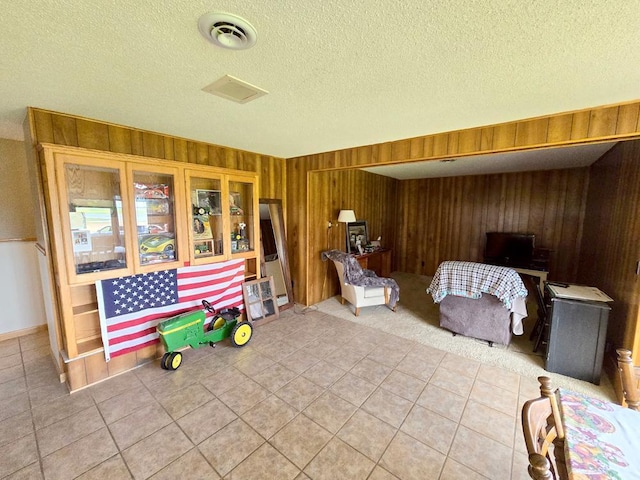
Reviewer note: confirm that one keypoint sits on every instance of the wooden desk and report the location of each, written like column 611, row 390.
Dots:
column 601, row 439
column 378, row 261
column 541, row 275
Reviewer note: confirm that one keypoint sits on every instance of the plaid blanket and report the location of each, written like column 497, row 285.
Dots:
column 354, row 274
column 471, row 280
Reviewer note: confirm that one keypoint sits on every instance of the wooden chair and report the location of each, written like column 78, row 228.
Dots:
column 630, row 376
column 544, row 434
column 542, row 324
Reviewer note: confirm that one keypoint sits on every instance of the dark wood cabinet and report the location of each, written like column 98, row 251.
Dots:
column 576, row 336
column 378, row 261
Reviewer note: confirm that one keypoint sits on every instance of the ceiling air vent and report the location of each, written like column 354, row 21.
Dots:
column 234, row 89
column 227, row 31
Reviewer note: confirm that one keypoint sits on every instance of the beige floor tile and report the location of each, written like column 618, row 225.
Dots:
column 388, row 356
column 371, row 371
column 353, row 389
column 406, row 386
column 60, row 408
column 380, row 473
column 421, row 368
column 451, row 381
column 520, row 467
column 408, row 458
column 173, row 381
column 40, row 374
column 330, row 411
column 460, row 365
column 367, row 434
column 320, row 348
column 323, row 374
column 265, row 462
column 430, row 428
column 9, row 361
column 456, row 471
column 30, row 472
column 16, row 427
column 156, row 451
column 254, row 364
column 222, row 380
column 178, row 404
column 300, row 440
column 143, row 422
column 36, row 353
column 19, row 454
column 116, row 386
column 344, row 358
column 299, row 361
column 299, row 393
column 489, row 422
column 228, row 447
column 429, row 355
column 206, row 420
column 191, row 465
column 14, row 405
column 80, row 456
column 37, row 340
column 114, row 469
column 10, row 347
column 10, row 373
column 337, row 461
column 497, row 398
column 277, row 350
column 269, row 416
column 274, row 377
column 119, row 406
column 244, row 396
column 13, row 387
column 441, row 401
column 499, row 377
column 388, row 407
column 43, row 395
column 68, row 430
column 481, row 454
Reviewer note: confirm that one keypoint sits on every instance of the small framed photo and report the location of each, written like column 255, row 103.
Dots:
column 235, row 203
column 81, row 240
column 209, row 201
column 201, row 227
column 357, row 237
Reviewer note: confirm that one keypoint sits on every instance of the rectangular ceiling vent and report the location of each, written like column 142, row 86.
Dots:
column 234, row 89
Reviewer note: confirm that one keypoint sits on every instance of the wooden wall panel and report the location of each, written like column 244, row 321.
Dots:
column 458, row 211
column 611, row 248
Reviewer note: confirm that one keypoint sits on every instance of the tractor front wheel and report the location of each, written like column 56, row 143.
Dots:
column 164, row 361
column 241, row 334
column 174, row 361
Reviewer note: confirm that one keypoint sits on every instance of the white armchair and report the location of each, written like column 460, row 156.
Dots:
column 361, row 296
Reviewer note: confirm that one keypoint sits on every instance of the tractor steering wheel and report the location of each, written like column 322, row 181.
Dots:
column 208, row 306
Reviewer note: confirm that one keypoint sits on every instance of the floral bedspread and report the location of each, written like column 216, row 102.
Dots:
column 602, row 439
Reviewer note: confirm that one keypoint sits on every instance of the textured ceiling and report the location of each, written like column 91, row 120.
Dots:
column 340, row 74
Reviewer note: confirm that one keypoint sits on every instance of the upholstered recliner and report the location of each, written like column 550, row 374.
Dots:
column 361, row 296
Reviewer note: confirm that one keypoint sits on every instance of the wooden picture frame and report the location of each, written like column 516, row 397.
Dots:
column 357, row 237
column 260, row 302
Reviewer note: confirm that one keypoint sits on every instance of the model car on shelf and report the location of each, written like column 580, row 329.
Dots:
column 158, row 243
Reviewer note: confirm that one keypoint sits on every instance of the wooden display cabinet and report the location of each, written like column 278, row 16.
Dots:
column 113, row 215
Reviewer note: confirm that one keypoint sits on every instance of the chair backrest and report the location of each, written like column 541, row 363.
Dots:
column 542, row 427
column 340, row 270
column 629, row 375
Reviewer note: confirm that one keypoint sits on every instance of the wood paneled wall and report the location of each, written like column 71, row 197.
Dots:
column 63, row 129
column 611, row 240
column 446, row 218
column 371, row 197
column 591, row 125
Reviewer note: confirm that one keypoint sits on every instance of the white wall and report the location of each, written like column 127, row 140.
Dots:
column 21, row 300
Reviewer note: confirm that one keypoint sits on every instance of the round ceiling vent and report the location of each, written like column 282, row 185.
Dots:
column 227, row 31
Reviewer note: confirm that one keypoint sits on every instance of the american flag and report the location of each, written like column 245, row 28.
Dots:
column 131, row 307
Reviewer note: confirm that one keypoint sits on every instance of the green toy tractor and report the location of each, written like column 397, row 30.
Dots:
column 188, row 329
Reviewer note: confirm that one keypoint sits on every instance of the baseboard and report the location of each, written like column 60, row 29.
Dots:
column 23, row 332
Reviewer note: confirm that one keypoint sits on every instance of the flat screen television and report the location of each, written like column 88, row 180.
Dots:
column 509, row 249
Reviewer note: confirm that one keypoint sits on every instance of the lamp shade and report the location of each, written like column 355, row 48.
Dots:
column 347, row 216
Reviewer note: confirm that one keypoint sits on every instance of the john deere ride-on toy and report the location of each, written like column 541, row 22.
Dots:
column 188, row 329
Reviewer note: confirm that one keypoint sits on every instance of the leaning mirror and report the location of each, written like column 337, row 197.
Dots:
column 275, row 261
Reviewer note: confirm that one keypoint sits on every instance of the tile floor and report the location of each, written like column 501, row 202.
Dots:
column 310, row 397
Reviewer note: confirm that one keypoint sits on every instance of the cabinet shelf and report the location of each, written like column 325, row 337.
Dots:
column 87, row 309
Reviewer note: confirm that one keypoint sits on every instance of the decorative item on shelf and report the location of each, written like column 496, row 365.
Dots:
column 201, row 227
column 144, row 191
column 208, row 202
column 235, row 208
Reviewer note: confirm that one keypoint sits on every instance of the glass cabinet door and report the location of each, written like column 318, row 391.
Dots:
column 241, row 216
column 207, row 203
column 95, row 223
column 155, row 215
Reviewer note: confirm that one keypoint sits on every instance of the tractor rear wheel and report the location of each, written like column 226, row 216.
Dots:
column 174, row 361
column 241, row 334
column 164, row 361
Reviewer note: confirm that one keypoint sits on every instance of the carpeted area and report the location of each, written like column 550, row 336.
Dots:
column 416, row 318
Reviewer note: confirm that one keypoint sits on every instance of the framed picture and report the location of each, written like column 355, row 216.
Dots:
column 235, row 203
column 209, row 200
column 201, row 227
column 357, row 237
column 81, row 240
